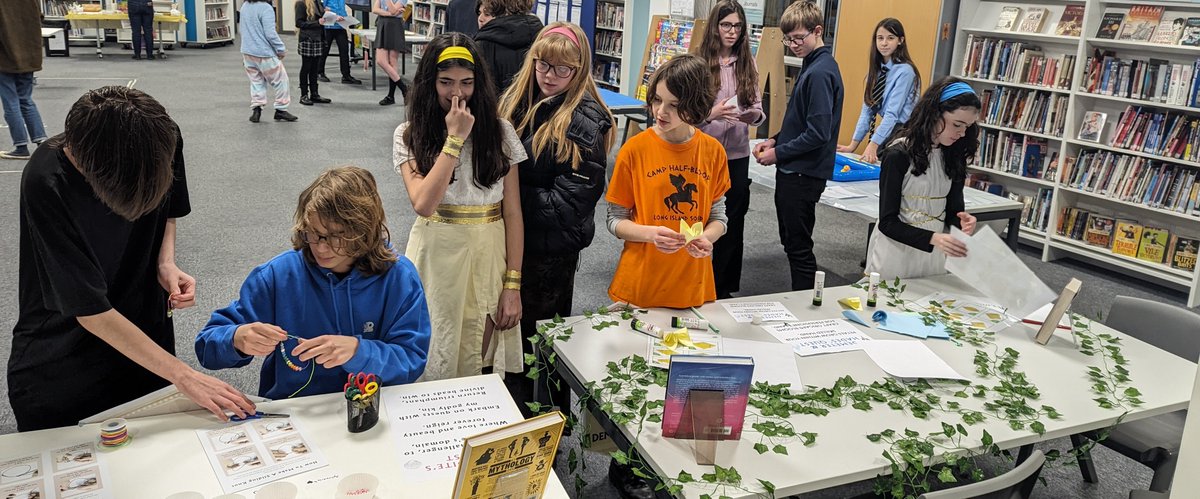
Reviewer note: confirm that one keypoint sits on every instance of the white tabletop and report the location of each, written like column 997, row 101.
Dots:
column 842, row 454
column 49, row 32
column 409, row 36
column 168, row 445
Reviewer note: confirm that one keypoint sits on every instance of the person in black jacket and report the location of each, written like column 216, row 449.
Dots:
column 141, row 21
column 803, row 151
column 311, row 49
column 567, row 132
column 504, row 41
column 462, row 16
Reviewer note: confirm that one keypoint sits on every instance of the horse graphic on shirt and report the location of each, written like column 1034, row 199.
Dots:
column 683, row 194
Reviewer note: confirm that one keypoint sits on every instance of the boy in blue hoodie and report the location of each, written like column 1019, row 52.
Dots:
column 341, row 302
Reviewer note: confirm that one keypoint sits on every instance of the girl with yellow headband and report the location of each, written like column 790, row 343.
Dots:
column 458, row 160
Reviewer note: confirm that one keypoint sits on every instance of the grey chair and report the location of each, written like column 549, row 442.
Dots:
column 1153, row 441
column 1018, row 483
column 1146, row 494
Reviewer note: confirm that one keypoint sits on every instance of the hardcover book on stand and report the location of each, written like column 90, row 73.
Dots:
column 512, row 461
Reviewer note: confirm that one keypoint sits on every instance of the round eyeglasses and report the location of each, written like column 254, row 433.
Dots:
column 561, row 71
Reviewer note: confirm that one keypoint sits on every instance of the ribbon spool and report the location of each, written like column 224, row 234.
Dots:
column 114, row 433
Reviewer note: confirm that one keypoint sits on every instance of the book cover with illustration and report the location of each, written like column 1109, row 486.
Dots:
column 1183, row 252
column 1099, row 231
column 1008, row 18
column 1110, row 25
column 1170, row 29
column 727, row 374
column 1071, row 22
column 1153, row 247
column 1034, row 18
column 510, row 461
column 1140, row 23
column 1126, row 238
column 1191, row 32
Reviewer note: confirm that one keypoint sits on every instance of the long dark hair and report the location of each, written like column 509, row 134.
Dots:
column 926, row 121
column 710, row 49
column 899, row 56
column 426, row 131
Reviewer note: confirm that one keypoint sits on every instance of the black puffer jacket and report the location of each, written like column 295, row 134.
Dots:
column 503, row 43
column 559, row 203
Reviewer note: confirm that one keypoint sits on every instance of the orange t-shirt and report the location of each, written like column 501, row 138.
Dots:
column 663, row 183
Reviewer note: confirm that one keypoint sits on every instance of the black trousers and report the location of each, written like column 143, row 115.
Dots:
column 547, row 288
column 343, row 43
column 727, row 251
column 142, row 25
column 310, row 67
column 796, row 199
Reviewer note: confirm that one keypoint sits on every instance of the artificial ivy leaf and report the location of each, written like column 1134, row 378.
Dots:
column 572, row 461
column 1038, row 427
column 809, row 438
column 760, row 447
column 767, row 486
column 534, row 407
column 987, row 439
column 874, row 437
column 947, row 475
column 641, row 474
column 620, row 457
column 684, row 477
column 779, row 449
column 1132, row 392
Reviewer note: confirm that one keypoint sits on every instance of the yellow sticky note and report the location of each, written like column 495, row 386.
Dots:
column 851, row 302
column 677, row 338
column 690, row 232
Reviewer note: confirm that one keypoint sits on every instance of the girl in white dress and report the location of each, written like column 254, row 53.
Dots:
column 458, row 160
column 921, row 185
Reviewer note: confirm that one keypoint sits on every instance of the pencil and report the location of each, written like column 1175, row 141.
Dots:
column 710, row 324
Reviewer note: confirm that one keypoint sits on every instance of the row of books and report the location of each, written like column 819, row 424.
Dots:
column 214, row 13
column 1024, row 109
column 218, row 32
column 1135, row 179
column 1035, row 209
column 1016, row 154
column 983, row 182
column 1129, row 238
column 1155, row 80
column 1168, row 134
column 610, row 15
column 607, row 71
column 608, row 42
column 1015, row 62
column 54, row 8
column 1147, row 23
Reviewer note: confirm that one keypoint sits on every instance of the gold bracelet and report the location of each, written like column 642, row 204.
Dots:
column 516, row 274
column 516, row 286
column 450, row 151
column 455, row 140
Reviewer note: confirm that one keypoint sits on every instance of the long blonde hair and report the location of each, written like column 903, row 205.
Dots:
column 310, row 7
column 521, row 101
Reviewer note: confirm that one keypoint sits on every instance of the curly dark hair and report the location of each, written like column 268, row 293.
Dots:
column 426, row 132
column 688, row 79
column 926, row 121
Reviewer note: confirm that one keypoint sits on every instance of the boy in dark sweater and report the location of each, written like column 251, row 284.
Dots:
column 803, row 151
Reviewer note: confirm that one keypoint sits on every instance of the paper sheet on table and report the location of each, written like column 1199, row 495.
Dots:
column 77, row 471
column 768, row 310
column 839, row 192
column 681, row 342
column 991, row 267
column 772, row 364
column 330, row 19
column 909, row 359
column 974, row 311
column 908, row 324
column 852, row 316
column 817, row 337
column 259, row 451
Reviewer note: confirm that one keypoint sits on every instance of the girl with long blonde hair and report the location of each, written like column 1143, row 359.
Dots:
column 567, row 131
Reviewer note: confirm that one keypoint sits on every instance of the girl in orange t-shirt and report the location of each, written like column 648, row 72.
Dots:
column 666, row 174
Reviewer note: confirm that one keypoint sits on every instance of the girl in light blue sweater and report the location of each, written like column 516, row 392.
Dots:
column 262, row 54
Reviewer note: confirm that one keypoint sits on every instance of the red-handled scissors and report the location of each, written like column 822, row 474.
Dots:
column 364, row 384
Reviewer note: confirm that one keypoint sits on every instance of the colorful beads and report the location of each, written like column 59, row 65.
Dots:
column 288, row 360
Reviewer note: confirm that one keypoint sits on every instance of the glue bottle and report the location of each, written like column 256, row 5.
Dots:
column 646, row 328
column 818, row 287
column 873, row 289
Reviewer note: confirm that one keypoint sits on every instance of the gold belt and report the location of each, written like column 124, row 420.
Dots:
column 465, row 214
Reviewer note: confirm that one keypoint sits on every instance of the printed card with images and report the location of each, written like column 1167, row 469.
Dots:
column 974, row 311
column 229, row 438
column 271, row 427
column 254, row 453
column 79, row 482
column 34, row 489
column 73, row 472
column 74, row 456
column 659, row 352
column 20, row 469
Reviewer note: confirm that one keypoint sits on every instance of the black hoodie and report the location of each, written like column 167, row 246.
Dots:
column 503, row 43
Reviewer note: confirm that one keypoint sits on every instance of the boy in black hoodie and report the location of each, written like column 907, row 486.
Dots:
column 803, row 151
column 504, row 41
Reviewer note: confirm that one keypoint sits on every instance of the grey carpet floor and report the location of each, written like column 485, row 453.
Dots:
column 244, row 179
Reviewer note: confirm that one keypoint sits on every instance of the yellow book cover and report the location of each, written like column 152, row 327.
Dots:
column 510, row 462
column 1153, row 247
column 1126, row 238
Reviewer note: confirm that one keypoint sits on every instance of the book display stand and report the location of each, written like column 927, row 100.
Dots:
column 1060, row 307
column 703, row 422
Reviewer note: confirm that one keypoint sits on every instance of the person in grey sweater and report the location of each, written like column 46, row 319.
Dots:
column 262, row 55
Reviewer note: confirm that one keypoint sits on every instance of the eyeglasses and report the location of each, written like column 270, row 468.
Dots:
column 312, row 238
column 731, row 27
column 561, row 71
column 791, row 41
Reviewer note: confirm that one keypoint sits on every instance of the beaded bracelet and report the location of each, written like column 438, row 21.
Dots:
column 288, row 360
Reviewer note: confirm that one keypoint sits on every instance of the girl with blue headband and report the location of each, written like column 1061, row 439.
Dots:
column 921, row 185
column 458, row 159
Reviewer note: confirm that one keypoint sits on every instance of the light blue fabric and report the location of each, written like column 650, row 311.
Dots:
column 899, row 98
column 337, row 7
column 387, row 313
column 259, row 37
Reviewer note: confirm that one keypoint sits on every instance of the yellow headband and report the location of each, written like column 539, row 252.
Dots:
column 456, row 52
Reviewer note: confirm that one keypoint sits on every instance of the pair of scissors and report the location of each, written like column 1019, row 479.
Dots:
column 361, row 385
column 259, row 415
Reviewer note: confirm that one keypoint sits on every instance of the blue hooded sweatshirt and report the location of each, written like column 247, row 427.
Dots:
column 387, row 313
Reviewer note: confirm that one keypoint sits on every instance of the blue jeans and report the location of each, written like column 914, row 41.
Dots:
column 21, row 114
column 142, row 24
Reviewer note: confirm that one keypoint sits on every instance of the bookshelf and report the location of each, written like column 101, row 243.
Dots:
column 1097, row 134
column 428, row 19
column 608, row 43
column 56, row 11
column 210, row 22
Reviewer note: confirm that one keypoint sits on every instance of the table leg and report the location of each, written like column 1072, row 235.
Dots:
column 99, row 41
column 161, row 55
column 1014, row 231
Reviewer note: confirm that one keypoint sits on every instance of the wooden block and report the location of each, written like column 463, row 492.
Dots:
column 1060, row 307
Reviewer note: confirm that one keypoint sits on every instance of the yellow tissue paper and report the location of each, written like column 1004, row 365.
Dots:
column 690, row 232
column 851, row 302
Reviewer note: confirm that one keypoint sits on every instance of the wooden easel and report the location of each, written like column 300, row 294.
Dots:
column 771, row 77
column 1060, row 307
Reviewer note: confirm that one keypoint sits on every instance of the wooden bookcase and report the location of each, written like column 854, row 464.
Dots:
column 1056, row 187
column 210, row 22
column 429, row 19
column 608, row 43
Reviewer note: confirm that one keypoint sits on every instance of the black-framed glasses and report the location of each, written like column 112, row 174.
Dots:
column 731, row 27
column 561, row 71
column 790, row 41
column 312, row 238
